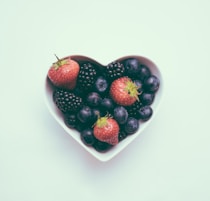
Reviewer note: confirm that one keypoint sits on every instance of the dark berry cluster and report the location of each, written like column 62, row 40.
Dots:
column 115, row 70
column 67, row 101
column 91, row 100
column 87, row 76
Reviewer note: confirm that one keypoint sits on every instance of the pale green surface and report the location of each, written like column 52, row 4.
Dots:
column 170, row 161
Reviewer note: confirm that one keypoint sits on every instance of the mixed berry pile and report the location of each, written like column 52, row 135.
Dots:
column 104, row 104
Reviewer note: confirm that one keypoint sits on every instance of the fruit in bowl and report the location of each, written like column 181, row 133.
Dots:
column 103, row 107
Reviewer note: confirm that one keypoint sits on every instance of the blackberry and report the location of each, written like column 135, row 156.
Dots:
column 87, row 76
column 66, row 101
column 114, row 70
column 70, row 120
column 133, row 109
column 122, row 135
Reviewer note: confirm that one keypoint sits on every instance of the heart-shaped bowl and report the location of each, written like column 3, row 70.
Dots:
column 48, row 90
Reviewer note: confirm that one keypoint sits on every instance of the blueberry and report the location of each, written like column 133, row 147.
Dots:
column 120, row 114
column 147, row 98
column 132, row 67
column 144, row 72
column 101, row 85
column 131, row 126
column 151, row 84
column 101, row 146
column 145, row 113
column 93, row 99
column 139, row 84
column 87, row 136
column 86, row 115
column 107, row 104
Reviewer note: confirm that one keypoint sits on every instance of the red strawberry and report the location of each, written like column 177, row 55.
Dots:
column 106, row 130
column 124, row 91
column 64, row 73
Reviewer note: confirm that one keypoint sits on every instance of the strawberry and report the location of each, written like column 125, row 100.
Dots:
column 106, row 129
column 64, row 73
column 124, row 91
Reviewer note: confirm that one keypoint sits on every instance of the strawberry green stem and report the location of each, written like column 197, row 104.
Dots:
column 57, row 57
column 101, row 122
column 59, row 63
column 132, row 89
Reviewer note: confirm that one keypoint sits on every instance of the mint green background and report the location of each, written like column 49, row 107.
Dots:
column 170, row 161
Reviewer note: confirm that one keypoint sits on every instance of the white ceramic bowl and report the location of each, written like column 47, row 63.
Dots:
column 75, row 135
